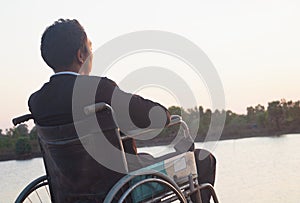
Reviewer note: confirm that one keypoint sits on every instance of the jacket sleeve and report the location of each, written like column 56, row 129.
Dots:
column 133, row 111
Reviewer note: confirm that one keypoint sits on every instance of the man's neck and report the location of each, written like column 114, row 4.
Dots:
column 72, row 68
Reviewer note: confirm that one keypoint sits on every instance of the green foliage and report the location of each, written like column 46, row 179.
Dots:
column 18, row 141
column 175, row 110
column 279, row 117
column 261, row 119
column 275, row 113
column 9, row 132
column 21, row 130
column 33, row 134
column 5, row 142
column 22, row 146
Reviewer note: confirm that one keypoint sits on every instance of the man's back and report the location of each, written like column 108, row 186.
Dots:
column 52, row 104
column 56, row 103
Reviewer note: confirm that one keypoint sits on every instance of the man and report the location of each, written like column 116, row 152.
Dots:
column 66, row 49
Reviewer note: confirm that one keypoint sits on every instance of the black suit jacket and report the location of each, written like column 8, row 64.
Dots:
column 62, row 99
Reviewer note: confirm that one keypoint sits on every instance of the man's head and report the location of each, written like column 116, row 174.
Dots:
column 65, row 46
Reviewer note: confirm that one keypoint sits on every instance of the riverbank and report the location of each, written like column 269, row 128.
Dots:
column 166, row 141
column 8, row 157
column 157, row 141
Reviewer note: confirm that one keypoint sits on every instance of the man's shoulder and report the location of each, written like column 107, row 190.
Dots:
column 98, row 79
column 39, row 91
column 80, row 81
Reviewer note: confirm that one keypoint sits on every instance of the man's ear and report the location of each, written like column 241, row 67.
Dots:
column 80, row 56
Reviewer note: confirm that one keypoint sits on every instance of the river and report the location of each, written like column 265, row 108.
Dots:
column 254, row 170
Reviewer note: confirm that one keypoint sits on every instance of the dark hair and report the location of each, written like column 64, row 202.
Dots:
column 61, row 41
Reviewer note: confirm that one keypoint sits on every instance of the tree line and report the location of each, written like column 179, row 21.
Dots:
column 18, row 143
column 279, row 117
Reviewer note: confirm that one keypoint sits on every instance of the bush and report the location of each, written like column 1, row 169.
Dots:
column 5, row 142
column 22, row 146
column 33, row 134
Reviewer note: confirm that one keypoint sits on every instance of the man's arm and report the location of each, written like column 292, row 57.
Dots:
column 132, row 111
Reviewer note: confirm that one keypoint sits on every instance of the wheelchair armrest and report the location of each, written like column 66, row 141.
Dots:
column 91, row 109
column 175, row 120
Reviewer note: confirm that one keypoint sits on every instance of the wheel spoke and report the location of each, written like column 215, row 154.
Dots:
column 37, row 194
column 46, row 187
column 29, row 200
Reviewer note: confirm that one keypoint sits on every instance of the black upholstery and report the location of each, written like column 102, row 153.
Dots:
column 73, row 173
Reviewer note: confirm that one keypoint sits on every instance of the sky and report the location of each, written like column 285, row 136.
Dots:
column 253, row 44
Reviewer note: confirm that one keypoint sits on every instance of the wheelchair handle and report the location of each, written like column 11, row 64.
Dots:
column 22, row 119
column 88, row 110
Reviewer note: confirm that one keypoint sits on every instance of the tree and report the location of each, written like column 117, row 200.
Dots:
column 250, row 113
column 275, row 113
column 295, row 110
column 9, row 132
column 33, row 133
column 259, row 108
column 260, row 115
column 261, row 119
column 22, row 146
column 21, row 130
column 229, row 117
column 192, row 117
column 175, row 110
column 207, row 117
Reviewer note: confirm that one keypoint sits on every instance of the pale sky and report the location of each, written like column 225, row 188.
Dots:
column 253, row 44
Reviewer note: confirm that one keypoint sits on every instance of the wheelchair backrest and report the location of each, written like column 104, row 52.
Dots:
column 73, row 173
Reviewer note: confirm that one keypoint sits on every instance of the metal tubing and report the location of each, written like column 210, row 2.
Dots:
column 130, row 189
column 117, row 187
column 211, row 189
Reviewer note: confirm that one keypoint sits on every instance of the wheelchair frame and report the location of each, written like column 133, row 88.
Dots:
column 183, row 192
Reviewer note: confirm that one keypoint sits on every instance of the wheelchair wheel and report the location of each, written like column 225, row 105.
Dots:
column 36, row 191
column 127, row 190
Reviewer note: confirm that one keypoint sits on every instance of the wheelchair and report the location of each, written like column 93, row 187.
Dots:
column 172, row 179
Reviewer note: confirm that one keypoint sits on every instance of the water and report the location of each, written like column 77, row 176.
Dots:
column 254, row 170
